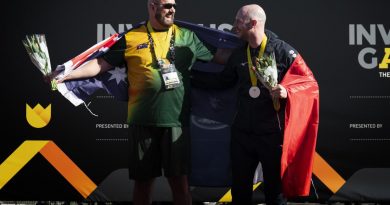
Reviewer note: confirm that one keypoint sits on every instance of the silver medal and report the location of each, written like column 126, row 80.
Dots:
column 254, row 92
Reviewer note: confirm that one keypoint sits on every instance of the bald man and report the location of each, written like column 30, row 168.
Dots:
column 257, row 132
column 257, row 135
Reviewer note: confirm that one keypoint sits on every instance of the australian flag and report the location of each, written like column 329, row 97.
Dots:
column 114, row 82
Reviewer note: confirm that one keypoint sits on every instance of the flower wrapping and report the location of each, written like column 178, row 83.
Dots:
column 38, row 52
column 267, row 73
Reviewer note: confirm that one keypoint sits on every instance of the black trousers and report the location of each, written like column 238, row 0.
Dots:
column 247, row 150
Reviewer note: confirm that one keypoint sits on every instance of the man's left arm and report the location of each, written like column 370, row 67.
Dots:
column 209, row 53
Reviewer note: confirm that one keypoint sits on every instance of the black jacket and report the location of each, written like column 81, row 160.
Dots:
column 254, row 115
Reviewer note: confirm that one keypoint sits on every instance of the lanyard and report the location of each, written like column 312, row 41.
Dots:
column 164, row 46
column 250, row 63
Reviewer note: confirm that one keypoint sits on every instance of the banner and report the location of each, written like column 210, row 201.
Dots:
column 52, row 150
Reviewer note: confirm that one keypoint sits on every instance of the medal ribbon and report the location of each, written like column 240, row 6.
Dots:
column 164, row 46
column 250, row 63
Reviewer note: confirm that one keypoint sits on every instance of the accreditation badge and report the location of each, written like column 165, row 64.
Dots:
column 254, row 92
column 169, row 75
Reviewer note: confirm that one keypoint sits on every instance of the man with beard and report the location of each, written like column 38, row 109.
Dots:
column 158, row 56
column 260, row 132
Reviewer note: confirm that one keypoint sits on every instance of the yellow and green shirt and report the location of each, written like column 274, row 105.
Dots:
column 150, row 104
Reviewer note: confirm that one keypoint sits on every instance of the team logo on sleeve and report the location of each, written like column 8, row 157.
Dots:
column 292, row 53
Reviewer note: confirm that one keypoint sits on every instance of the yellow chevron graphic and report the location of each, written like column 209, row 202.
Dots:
column 58, row 159
column 16, row 161
column 38, row 117
column 228, row 195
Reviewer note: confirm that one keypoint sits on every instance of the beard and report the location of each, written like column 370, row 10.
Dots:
column 162, row 20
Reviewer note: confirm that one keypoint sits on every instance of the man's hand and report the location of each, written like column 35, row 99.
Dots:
column 279, row 92
column 51, row 76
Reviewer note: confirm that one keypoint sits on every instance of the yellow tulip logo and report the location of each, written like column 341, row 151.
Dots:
column 38, row 117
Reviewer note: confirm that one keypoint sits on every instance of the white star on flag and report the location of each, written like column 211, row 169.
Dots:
column 119, row 74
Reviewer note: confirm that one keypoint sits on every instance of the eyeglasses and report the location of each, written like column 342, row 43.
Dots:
column 167, row 5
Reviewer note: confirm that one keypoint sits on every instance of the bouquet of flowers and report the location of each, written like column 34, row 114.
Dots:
column 267, row 73
column 39, row 54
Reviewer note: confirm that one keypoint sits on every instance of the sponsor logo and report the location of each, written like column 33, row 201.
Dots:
column 110, row 126
column 374, row 41
column 207, row 124
column 38, row 117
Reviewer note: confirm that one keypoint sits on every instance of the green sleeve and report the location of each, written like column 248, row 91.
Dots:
column 200, row 50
